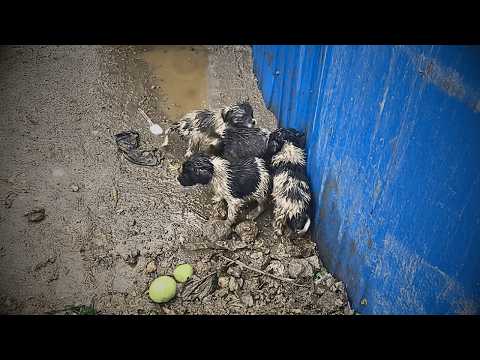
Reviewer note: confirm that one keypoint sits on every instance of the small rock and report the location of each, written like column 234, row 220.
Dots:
column 74, row 188
column 256, row 255
column 319, row 289
column 247, row 299
column 276, row 268
column 234, row 271
column 339, row 302
column 36, row 215
column 221, row 293
column 295, row 268
column 339, row 286
column 217, row 231
column 168, row 311
column 313, row 260
column 247, row 230
column 151, row 267
column 232, row 284
column 223, row 282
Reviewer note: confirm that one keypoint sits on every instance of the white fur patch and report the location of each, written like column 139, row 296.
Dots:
column 289, row 154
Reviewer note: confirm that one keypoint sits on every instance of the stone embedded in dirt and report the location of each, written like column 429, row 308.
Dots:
column 151, row 267
column 36, row 215
column 314, row 261
column 276, row 268
column 247, row 299
column 74, row 188
column 232, row 284
column 223, row 281
column 295, row 268
column 247, row 230
column 132, row 257
column 217, row 230
column 256, row 255
column 338, row 286
column 234, row 271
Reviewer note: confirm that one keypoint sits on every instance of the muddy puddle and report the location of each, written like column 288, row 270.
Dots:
column 181, row 74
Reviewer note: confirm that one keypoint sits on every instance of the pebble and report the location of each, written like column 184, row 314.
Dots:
column 247, row 299
column 313, row 260
column 247, row 230
column 232, row 284
column 234, row 271
column 223, row 282
column 295, row 268
column 276, row 268
column 151, row 267
column 256, row 255
column 75, row 188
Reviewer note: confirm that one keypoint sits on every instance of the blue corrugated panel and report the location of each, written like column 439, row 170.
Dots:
column 393, row 160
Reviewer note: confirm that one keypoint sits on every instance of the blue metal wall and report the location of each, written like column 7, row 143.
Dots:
column 393, row 158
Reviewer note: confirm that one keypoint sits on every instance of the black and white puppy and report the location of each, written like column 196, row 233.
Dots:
column 243, row 143
column 204, row 128
column 235, row 182
column 291, row 192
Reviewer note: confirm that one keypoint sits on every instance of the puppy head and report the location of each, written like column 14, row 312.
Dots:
column 198, row 169
column 299, row 223
column 239, row 115
column 280, row 136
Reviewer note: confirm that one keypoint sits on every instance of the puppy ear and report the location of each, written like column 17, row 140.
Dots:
column 302, row 141
column 274, row 146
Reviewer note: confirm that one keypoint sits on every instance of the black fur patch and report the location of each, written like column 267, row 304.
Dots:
column 198, row 169
column 295, row 193
column 245, row 178
column 239, row 115
column 296, row 171
column 243, row 143
column 281, row 135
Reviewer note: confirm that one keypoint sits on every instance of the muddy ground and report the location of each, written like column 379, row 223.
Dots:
column 110, row 226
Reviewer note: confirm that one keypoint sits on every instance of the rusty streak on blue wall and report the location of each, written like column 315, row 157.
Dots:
column 393, row 160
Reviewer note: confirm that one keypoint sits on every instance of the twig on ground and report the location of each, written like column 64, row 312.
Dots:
column 262, row 272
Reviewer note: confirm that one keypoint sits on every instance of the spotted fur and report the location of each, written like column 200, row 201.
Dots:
column 235, row 182
column 291, row 192
column 204, row 128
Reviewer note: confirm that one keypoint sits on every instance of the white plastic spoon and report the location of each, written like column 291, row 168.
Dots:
column 155, row 129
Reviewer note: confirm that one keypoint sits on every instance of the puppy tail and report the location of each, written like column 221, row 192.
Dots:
column 175, row 127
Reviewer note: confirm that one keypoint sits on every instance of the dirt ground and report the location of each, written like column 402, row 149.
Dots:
column 110, row 226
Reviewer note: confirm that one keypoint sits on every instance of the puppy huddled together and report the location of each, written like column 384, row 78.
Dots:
column 243, row 163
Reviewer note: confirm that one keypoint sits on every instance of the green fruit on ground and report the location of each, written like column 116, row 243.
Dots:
column 183, row 272
column 162, row 289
